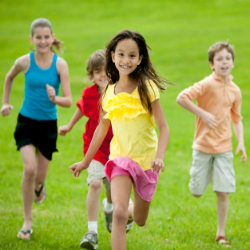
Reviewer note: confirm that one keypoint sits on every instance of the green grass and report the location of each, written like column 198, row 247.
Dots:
column 179, row 33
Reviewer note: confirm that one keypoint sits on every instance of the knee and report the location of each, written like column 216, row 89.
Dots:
column 120, row 215
column 140, row 222
column 222, row 196
column 30, row 171
column 140, row 218
column 96, row 185
column 197, row 195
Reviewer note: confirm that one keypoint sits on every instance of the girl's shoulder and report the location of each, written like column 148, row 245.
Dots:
column 23, row 62
column 61, row 65
column 151, row 85
column 108, row 93
column 110, row 89
column 60, row 61
column 153, row 90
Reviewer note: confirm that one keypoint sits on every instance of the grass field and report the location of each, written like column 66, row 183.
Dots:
column 179, row 33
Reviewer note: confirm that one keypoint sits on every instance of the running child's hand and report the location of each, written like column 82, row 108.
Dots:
column 51, row 92
column 209, row 120
column 63, row 130
column 157, row 164
column 241, row 148
column 6, row 109
column 77, row 168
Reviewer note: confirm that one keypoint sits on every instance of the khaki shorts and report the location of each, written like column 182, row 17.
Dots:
column 95, row 172
column 215, row 167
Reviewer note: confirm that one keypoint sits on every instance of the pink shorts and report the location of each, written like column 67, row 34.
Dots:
column 144, row 181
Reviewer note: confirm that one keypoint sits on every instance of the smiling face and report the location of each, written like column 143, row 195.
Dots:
column 126, row 56
column 222, row 63
column 99, row 77
column 42, row 39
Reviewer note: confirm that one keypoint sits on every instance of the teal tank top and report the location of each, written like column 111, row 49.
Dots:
column 36, row 103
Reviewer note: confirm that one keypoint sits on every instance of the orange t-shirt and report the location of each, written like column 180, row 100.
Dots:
column 224, row 102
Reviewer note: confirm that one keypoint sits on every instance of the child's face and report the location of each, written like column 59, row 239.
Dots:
column 126, row 56
column 42, row 39
column 223, row 63
column 99, row 77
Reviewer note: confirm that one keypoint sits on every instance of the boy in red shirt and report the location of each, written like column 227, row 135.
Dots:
column 218, row 103
column 89, row 106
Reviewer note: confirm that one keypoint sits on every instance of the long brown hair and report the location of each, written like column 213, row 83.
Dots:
column 144, row 72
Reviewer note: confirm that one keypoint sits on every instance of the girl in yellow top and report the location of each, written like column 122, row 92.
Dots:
column 130, row 102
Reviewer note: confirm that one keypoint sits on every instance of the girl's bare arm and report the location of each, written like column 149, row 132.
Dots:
column 21, row 64
column 66, row 99
column 163, row 139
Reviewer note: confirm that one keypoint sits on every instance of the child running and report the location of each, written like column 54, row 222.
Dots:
column 89, row 106
column 36, row 129
column 129, row 103
column 218, row 102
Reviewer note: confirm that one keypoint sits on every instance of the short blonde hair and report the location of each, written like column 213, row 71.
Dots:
column 218, row 47
column 96, row 61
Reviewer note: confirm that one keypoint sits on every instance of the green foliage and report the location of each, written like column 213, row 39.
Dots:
column 179, row 33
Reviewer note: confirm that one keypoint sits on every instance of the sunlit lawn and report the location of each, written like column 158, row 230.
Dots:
column 179, row 34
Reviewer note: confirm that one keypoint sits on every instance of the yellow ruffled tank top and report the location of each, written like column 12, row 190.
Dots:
column 133, row 127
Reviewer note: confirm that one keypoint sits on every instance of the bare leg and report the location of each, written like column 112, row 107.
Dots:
column 29, row 173
column 94, row 191
column 222, row 209
column 121, row 186
column 108, row 193
column 197, row 195
column 141, row 209
column 42, row 169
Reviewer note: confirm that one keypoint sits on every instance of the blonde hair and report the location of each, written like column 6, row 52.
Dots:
column 45, row 23
column 218, row 47
column 96, row 61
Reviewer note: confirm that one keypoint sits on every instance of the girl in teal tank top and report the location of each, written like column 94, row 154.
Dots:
column 35, row 93
column 36, row 130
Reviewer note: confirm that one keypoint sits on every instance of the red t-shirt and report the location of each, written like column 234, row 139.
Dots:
column 90, row 107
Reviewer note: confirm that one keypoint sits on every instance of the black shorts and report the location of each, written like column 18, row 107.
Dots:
column 42, row 134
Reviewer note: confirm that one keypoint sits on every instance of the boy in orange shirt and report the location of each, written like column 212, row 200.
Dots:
column 218, row 103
